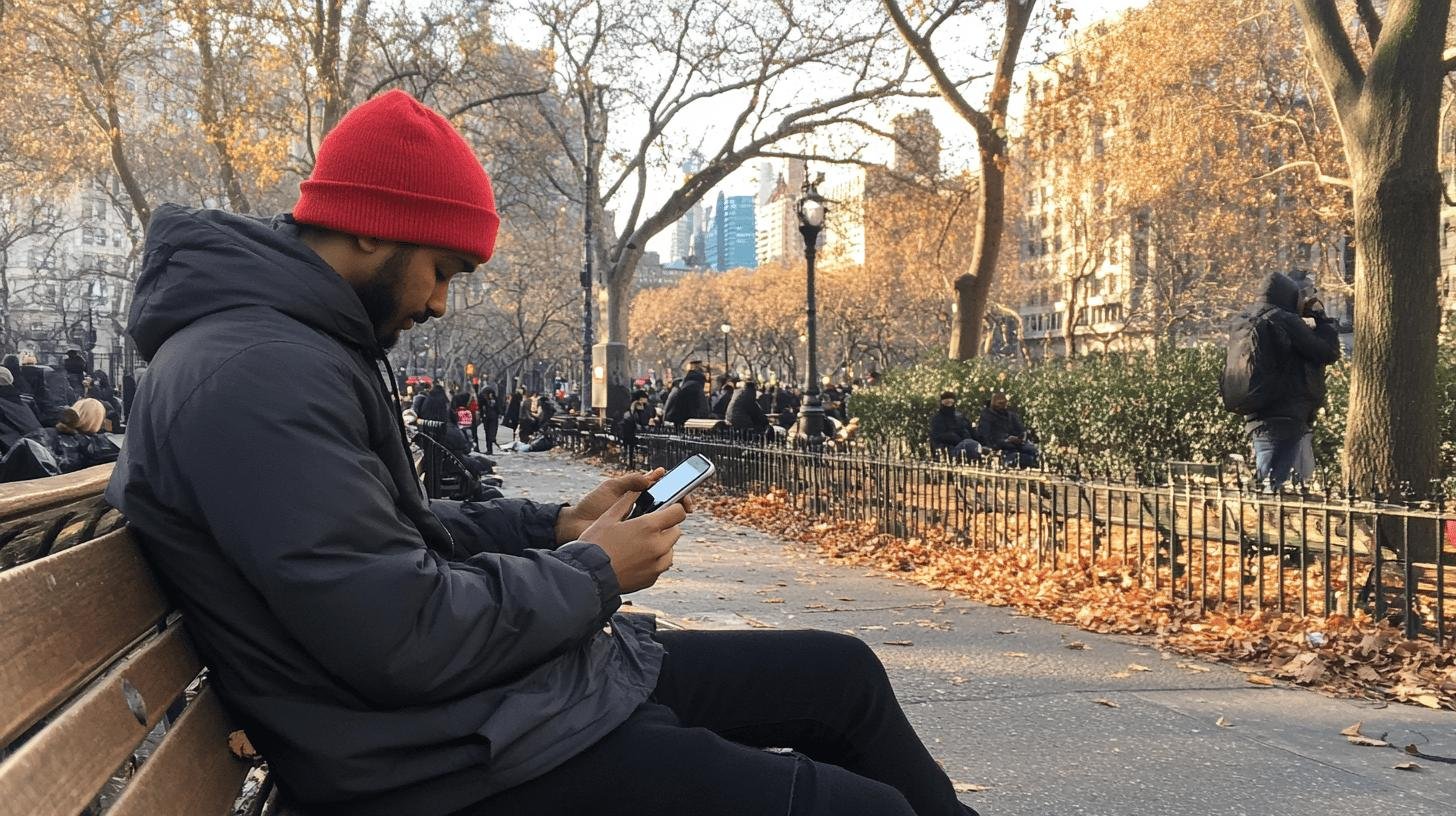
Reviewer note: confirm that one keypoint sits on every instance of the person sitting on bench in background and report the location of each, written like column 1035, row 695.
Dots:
column 1001, row 429
column 951, row 434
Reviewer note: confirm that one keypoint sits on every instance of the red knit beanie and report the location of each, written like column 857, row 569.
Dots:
column 394, row 169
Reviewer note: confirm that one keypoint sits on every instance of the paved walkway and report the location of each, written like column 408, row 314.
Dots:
column 1005, row 704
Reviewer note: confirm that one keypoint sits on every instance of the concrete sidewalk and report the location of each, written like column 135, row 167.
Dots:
column 1004, row 703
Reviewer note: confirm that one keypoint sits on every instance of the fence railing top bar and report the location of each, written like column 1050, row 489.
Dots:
column 1292, row 498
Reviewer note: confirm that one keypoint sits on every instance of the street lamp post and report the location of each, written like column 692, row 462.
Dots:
column 727, row 328
column 811, row 211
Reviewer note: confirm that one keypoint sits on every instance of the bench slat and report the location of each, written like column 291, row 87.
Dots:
column 192, row 773
column 59, row 770
column 66, row 616
column 23, row 498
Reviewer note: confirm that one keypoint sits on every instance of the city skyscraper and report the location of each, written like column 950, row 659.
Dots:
column 731, row 236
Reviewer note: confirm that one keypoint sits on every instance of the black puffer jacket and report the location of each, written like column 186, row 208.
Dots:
column 744, row 412
column 948, row 428
column 16, row 418
column 379, row 665
column 995, row 427
column 75, row 451
column 688, row 400
column 1305, row 352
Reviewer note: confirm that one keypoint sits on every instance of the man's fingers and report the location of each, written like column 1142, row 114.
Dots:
column 639, row 481
column 667, row 517
column 621, row 506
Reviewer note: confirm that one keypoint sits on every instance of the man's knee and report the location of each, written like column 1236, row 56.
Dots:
column 845, row 655
column 827, row 790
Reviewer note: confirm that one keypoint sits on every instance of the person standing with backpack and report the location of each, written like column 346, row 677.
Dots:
column 1274, row 372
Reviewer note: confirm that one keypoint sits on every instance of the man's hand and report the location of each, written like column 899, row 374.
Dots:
column 574, row 520
column 641, row 548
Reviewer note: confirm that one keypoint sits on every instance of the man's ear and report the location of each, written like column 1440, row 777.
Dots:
column 368, row 245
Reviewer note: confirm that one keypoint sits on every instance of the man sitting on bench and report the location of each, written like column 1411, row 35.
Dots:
column 1001, row 429
column 950, row 432
column 389, row 655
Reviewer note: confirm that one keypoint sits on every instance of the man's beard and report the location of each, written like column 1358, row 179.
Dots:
column 380, row 296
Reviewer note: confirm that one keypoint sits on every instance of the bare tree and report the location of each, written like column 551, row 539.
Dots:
column 648, row 76
column 973, row 287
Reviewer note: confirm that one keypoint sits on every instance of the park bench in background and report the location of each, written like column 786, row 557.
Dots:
column 704, row 426
column 98, row 670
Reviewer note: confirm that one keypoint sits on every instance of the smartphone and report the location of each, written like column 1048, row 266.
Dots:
column 674, row 485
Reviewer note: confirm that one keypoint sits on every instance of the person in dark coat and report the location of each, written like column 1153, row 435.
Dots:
column 689, row 400
column 75, row 367
column 1307, row 342
column 466, row 421
column 22, row 385
column 725, row 396
column 51, row 389
column 512, row 417
column 637, row 417
column 390, row 655
column 489, row 417
column 16, row 418
column 950, row 432
column 744, row 413
column 1001, row 428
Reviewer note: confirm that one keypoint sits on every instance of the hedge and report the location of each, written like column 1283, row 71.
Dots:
column 1122, row 412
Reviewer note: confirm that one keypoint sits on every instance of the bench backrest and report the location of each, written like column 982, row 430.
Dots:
column 92, row 660
column 704, row 425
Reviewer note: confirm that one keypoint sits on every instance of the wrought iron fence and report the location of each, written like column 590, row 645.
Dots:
column 1203, row 533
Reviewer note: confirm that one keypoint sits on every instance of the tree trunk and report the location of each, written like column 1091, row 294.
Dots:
column 973, row 290
column 1391, row 439
column 1389, row 115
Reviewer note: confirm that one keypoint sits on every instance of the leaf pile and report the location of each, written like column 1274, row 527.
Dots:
column 1340, row 655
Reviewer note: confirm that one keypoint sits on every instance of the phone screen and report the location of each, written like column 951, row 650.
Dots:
column 672, row 483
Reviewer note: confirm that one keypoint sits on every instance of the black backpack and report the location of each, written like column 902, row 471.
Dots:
column 1253, row 378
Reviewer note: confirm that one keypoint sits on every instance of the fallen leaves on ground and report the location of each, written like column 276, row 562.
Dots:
column 1343, row 655
column 1222, row 722
column 1108, row 703
column 968, row 787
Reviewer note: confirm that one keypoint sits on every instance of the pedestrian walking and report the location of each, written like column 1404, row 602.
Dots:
column 489, row 417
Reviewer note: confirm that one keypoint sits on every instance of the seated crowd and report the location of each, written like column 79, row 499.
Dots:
column 55, row 421
column 999, row 429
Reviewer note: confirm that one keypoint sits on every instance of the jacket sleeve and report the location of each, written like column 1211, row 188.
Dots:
column 1320, row 344
column 505, row 526
column 302, row 506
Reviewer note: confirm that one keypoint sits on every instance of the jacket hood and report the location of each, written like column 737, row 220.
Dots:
column 696, row 376
column 202, row 262
column 1279, row 290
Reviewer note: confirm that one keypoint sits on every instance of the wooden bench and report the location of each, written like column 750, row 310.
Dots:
column 104, row 698
column 704, row 426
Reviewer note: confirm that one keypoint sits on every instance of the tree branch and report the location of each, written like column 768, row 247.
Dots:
column 1370, row 18
column 491, row 100
column 1324, row 32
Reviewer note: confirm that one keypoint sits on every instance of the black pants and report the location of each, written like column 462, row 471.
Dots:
column 491, row 427
column 694, row 749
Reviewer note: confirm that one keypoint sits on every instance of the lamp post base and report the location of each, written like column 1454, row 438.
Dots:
column 812, row 417
column 610, row 395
